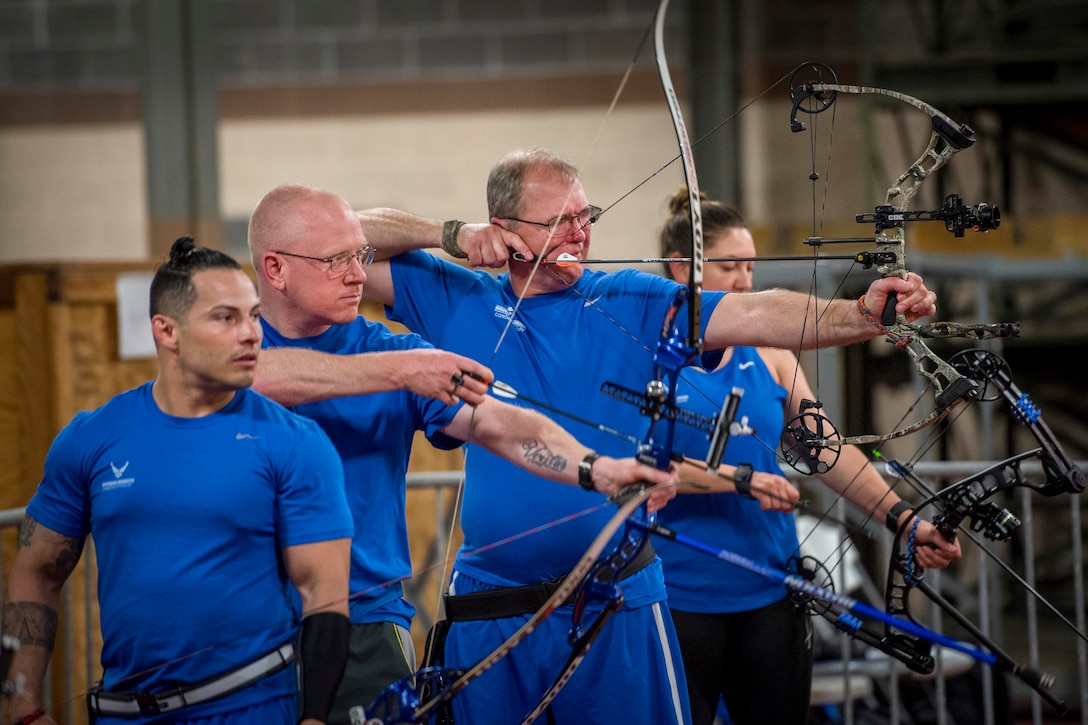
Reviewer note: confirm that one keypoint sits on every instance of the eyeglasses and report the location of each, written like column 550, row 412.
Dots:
column 567, row 222
column 339, row 263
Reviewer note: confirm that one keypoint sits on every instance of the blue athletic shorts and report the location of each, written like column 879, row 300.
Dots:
column 632, row 674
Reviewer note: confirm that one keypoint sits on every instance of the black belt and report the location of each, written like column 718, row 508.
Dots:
column 513, row 601
column 145, row 704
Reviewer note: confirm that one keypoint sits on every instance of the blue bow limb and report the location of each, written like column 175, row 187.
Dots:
column 803, row 586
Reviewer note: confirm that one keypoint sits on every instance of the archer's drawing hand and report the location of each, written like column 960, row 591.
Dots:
column 489, row 245
column 446, row 376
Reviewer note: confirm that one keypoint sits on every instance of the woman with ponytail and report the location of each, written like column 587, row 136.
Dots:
column 741, row 636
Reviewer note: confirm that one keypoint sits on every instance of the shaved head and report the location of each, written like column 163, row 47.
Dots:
column 287, row 216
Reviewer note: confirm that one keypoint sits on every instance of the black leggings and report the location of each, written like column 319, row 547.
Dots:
column 760, row 660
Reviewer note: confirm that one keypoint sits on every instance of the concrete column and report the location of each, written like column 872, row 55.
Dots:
column 180, row 124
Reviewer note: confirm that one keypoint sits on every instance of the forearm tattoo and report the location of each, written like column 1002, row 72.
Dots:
column 538, row 454
column 32, row 623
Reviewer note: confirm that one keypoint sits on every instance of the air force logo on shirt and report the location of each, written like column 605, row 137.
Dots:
column 118, row 481
column 503, row 312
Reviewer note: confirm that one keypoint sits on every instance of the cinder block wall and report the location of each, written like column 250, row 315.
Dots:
column 95, row 44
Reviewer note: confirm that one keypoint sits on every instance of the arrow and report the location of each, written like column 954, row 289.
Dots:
column 866, row 259
column 502, row 390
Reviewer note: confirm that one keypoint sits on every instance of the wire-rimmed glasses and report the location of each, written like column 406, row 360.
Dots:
column 339, row 263
column 566, row 222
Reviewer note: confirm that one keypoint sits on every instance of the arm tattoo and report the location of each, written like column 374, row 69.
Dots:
column 68, row 552
column 537, row 454
column 32, row 623
column 26, row 530
column 67, row 549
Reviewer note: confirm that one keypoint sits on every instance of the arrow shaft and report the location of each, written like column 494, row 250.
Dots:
column 667, row 260
column 503, row 390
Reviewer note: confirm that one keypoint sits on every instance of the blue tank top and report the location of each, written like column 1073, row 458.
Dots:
column 696, row 582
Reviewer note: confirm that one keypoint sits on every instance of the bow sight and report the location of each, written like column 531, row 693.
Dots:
column 956, row 215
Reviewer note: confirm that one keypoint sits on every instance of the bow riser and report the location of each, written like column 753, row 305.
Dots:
column 970, row 498
column 1040, row 682
column 659, row 402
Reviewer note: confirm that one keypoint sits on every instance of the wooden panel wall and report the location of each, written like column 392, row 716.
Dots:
column 58, row 355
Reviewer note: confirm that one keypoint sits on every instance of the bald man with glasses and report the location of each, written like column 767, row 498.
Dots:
column 370, row 390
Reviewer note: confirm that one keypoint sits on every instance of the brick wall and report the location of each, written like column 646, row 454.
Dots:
column 95, row 44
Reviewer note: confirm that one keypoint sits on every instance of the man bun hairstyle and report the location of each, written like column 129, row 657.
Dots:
column 172, row 290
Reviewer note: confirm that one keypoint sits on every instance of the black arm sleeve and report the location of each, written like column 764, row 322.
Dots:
column 323, row 656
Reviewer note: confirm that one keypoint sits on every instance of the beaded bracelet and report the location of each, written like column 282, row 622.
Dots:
column 864, row 311
column 895, row 338
column 31, row 717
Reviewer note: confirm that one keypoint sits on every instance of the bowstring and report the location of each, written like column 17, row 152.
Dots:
column 934, row 433
column 521, row 295
column 819, row 201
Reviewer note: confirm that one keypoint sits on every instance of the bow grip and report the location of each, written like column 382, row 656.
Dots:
column 887, row 316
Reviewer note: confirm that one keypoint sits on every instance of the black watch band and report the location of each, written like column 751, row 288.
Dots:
column 585, row 471
column 742, row 479
column 897, row 509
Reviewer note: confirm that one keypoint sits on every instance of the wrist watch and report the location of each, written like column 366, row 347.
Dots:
column 585, row 471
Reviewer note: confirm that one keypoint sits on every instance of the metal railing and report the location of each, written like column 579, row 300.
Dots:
column 848, row 669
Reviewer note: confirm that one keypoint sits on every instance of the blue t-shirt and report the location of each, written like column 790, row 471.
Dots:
column 559, row 349
column 696, row 582
column 373, row 434
column 188, row 516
